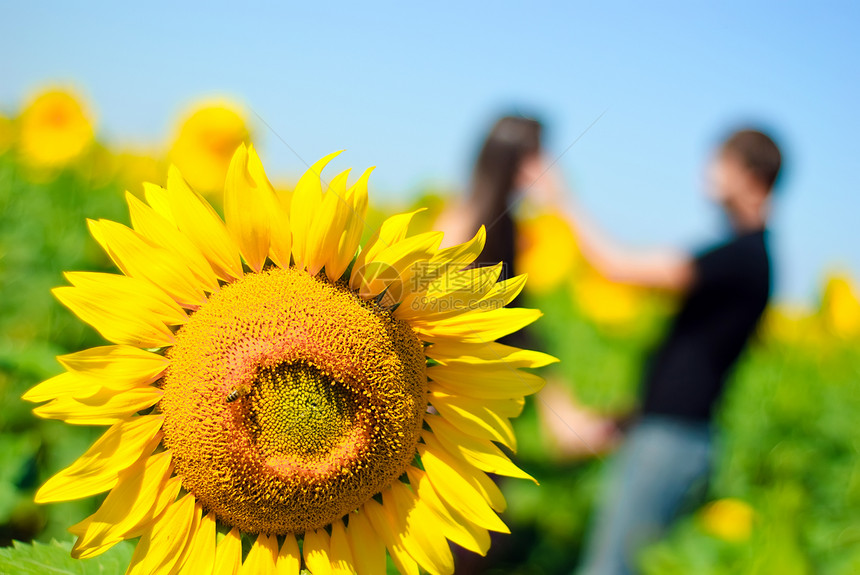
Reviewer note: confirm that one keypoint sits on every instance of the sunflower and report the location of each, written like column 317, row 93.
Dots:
column 794, row 325
column 548, row 252
column 269, row 387
column 54, row 129
column 7, row 134
column 205, row 144
column 606, row 303
column 728, row 519
column 840, row 306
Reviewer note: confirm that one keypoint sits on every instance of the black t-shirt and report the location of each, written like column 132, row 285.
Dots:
column 730, row 291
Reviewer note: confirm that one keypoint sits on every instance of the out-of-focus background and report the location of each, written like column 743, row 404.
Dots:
column 95, row 100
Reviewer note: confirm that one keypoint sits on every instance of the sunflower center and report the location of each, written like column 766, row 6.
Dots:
column 290, row 401
column 299, row 410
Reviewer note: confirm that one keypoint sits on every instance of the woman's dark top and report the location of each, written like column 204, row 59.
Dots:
column 501, row 245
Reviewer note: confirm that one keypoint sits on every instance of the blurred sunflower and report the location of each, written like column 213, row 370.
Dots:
column 840, row 307
column 205, row 144
column 286, row 400
column 791, row 325
column 54, row 129
column 606, row 303
column 728, row 519
column 134, row 167
column 7, row 134
column 548, row 253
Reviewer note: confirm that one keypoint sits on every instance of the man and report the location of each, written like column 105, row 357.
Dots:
column 724, row 291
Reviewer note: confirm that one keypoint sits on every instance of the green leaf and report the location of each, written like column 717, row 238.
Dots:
column 53, row 559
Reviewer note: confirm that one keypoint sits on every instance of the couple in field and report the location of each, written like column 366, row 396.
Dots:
column 664, row 452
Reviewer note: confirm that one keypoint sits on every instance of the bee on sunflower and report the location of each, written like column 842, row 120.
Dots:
column 271, row 384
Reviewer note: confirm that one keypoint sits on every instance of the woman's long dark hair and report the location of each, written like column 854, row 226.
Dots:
column 511, row 140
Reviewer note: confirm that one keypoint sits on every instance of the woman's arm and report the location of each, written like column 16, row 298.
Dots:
column 661, row 269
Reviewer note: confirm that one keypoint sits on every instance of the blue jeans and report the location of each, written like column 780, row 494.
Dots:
column 653, row 475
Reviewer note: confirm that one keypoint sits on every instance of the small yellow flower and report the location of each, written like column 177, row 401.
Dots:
column 55, row 129
column 548, row 251
column 728, row 519
column 267, row 379
column 840, row 307
column 205, row 144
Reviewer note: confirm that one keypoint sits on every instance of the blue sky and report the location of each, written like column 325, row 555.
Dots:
column 411, row 88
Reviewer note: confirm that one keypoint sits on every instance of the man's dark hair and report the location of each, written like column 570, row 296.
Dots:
column 757, row 152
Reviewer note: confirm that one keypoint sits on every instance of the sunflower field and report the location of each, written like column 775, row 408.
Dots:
column 784, row 498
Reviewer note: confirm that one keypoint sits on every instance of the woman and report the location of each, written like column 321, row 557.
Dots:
column 505, row 159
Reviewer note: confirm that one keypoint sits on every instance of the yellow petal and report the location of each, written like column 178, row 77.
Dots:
column 478, row 452
column 248, row 200
column 452, row 294
column 392, row 268
column 341, row 555
column 307, row 198
column 347, row 246
column 476, row 281
column 472, row 416
column 262, row 556
column 141, row 258
column 443, row 263
column 455, row 527
column 180, row 563
column 64, row 385
column 105, row 407
column 199, row 556
column 479, row 382
column 161, row 548
column 456, row 490
column 228, row 554
column 116, row 365
column 460, row 256
column 130, row 504
column 420, row 528
column 157, row 228
column 126, row 321
column 479, row 327
column 368, row 549
column 197, row 220
column 281, row 240
column 316, row 549
column 477, row 479
column 98, row 469
column 392, row 538
column 277, row 210
column 150, row 299
column 159, row 199
column 503, row 293
column 165, row 496
column 289, row 559
column 489, row 354
column 449, row 261
column 328, row 225
column 392, row 231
